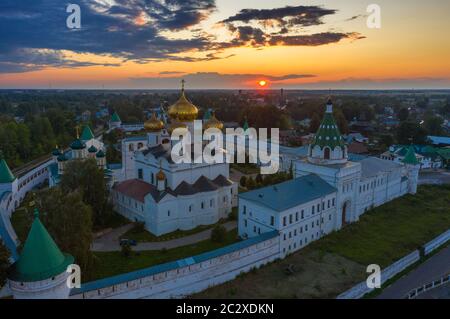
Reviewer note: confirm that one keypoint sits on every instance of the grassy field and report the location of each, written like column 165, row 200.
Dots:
column 337, row 262
column 114, row 263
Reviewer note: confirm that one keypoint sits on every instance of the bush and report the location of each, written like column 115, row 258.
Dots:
column 218, row 234
column 243, row 181
column 126, row 250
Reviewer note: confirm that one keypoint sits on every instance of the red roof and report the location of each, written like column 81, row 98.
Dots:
column 357, row 148
column 135, row 189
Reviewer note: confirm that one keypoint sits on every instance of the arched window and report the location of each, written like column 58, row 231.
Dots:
column 326, row 153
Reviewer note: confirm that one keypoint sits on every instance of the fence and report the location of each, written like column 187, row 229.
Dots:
column 361, row 289
column 427, row 287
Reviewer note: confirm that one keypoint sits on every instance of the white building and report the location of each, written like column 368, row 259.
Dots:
column 167, row 196
column 328, row 191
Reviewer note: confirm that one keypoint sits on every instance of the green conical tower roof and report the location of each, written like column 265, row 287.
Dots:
column 40, row 258
column 328, row 133
column 6, row 176
column 87, row 134
column 410, row 157
column 246, row 126
column 115, row 117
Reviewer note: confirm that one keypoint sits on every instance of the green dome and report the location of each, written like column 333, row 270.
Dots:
column 92, row 149
column 100, row 154
column 77, row 145
column 56, row 152
column 41, row 258
column 6, row 176
column 328, row 134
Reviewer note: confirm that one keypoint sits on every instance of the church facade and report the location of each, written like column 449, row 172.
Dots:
column 328, row 192
column 164, row 195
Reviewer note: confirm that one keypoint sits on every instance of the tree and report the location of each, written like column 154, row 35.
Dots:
column 411, row 132
column 4, row 263
column 251, row 183
column 433, row 125
column 341, row 121
column 243, row 181
column 259, row 179
column 126, row 250
column 403, row 114
column 315, row 123
column 86, row 177
column 218, row 234
column 69, row 221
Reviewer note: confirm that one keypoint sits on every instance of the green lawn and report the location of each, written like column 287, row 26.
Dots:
column 337, row 262
column 143, row 236
column 393, row 230
column 114, row 263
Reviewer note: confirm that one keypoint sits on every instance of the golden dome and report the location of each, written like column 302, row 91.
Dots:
column 213, row 122
column 154, row 124
column 176, row 124
column 160, row 176
column 183, row 110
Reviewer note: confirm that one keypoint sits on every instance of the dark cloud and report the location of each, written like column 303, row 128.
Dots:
column 299, row 15
column 313, row 39
column 32, row 33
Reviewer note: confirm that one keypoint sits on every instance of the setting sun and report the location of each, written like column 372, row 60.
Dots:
column 262, row 83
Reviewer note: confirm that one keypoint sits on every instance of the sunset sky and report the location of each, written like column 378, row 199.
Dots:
column 152, row 44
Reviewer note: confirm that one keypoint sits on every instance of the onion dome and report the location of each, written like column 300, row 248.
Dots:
column 78, row 145
column 41, row 258
column 6, row 176
column 174, row 125
column 92, row 149
column 56, row 151
column 62, row 158
column 160, row 176
column 213, row 122
column 183, row 110
column 154, row 124
column 100, row 154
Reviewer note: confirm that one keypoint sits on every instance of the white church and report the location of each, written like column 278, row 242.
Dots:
column 328, row 191
column 167, row 196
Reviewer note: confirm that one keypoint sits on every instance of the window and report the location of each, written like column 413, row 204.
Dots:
column 334, row 202
column 203, row 205
column 140, row 174
column 329, row 203
column 131, row 147
column 168, row 213
column 290, row 219
column 303, row 214
column 254, row 229
column 245, row 223
column 295, row 232
column 318, row 207
column 272, row 220
column 153, row 178
column 190, row 208
column 244, row 211
column 329, row 217
column 296, row 216
column 301, row 230
column 323, row 205
column 306, row 227
column 284, row 221
column 313, row 208
column 211, row 203
column 284, row 237
column 312, row 225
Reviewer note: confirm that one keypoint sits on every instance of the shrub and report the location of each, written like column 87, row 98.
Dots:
column 218, row 234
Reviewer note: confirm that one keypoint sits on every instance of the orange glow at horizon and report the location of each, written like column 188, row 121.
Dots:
column 262, row 83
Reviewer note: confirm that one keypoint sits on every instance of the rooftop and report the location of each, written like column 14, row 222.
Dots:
column 289, row 194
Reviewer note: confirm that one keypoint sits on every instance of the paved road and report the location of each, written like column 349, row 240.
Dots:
column 433, row 269
column 110, row 242
column 434, row 177
column 442, row 292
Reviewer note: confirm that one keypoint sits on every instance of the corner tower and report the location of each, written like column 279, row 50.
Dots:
column 40, row 271
column 412, row 165
column 328, row 146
